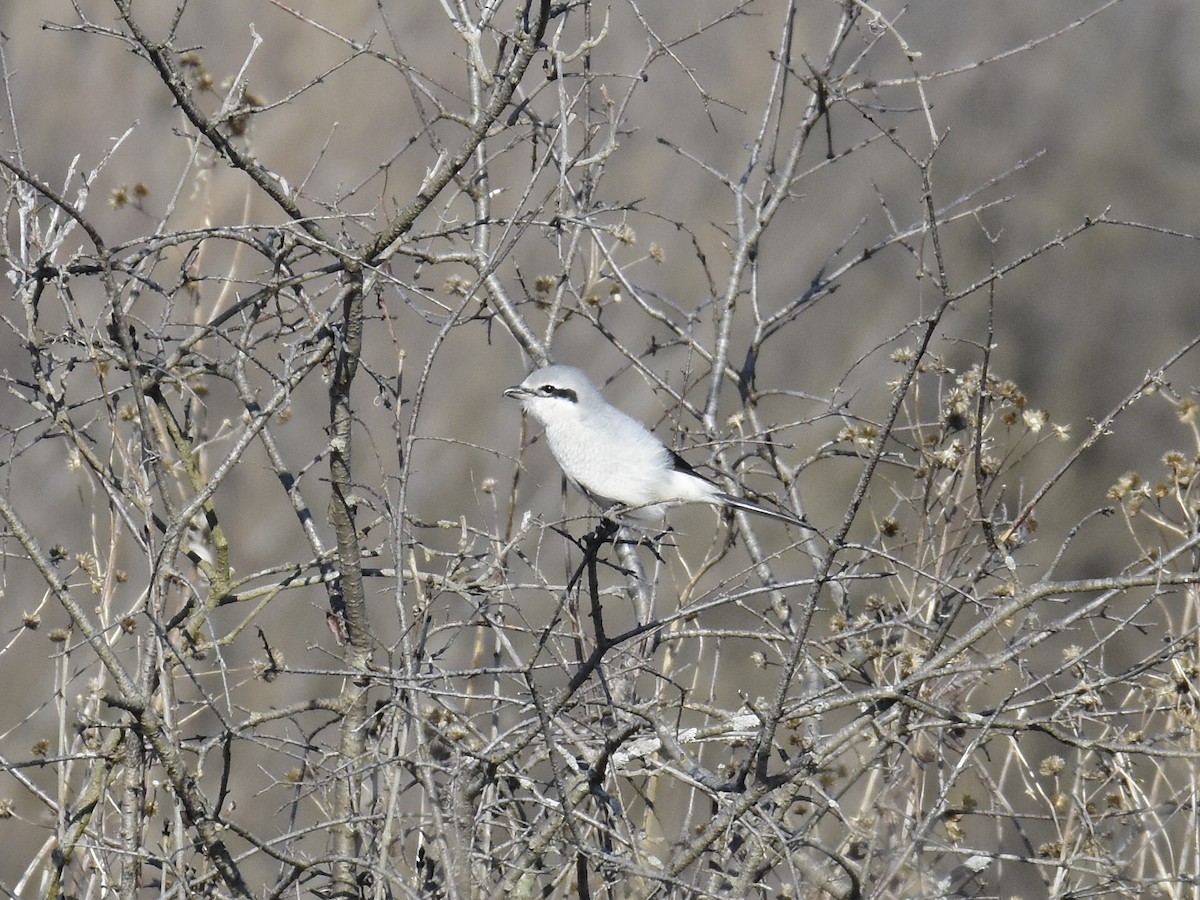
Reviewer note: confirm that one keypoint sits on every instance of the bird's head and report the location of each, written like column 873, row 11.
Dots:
column 555, row 394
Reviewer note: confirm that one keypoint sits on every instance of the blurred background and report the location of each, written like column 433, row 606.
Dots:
column 1103, row 112
column 1097, row 120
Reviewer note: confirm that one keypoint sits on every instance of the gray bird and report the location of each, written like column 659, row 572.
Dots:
column 613, row 457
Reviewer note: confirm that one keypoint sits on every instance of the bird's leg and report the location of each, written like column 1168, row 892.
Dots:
column 606, row 529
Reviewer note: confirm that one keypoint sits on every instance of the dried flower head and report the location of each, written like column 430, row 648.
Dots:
column 1126, row 484
column 1052, row 765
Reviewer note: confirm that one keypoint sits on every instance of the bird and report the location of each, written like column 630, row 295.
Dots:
column 612, row 457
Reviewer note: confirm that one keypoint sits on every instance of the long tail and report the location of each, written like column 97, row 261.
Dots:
column 739, row 503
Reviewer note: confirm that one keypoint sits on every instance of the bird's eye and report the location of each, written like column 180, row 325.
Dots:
column 548, row 389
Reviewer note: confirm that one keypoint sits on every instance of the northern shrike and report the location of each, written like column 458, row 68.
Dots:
column 613, row 457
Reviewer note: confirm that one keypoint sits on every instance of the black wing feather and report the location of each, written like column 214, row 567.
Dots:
column 679, row 464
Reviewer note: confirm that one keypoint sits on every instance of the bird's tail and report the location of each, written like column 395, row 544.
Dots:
column 739, row 503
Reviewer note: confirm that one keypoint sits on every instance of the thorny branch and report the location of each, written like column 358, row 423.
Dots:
column 435, row 689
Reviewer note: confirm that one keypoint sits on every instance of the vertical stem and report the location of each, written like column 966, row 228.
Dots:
column 348, row 597
column 133, row 807
column 346, row 594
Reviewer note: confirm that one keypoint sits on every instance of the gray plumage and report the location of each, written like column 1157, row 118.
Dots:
column 613, row 457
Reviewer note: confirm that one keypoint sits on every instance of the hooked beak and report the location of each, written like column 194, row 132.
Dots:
column 516, row 392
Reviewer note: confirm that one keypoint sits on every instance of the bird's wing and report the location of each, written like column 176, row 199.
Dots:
column 679, row 464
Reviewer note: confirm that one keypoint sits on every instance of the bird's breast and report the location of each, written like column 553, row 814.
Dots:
column 626, row 470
